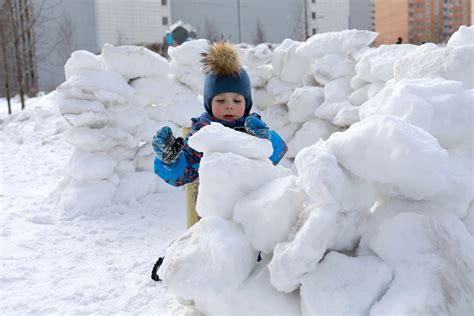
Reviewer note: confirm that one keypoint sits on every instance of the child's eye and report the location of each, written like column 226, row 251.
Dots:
column 237, row 101
column 220, row 101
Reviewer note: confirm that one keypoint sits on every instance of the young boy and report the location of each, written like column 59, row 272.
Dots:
column 227, row 100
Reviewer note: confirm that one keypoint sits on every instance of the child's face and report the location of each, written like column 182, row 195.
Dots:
column 228, row 106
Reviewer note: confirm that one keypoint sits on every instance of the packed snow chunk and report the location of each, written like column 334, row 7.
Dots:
column 225, row 178
column 441, row 107
column 359, row 96
column 451, row 63
column 192, row 77
column 375, row 88
column 288, row 131
column 85, row 198
column 260, row 75
column 134, row 61
column 338, row 89
column 268, row 213
column 87, row 119
column 294, row 66
column 105, row 86
column 81, row 60
column 172, row 100
column 279, row 55
column 128, row 118
column 321, row 177
column 330, row 67
column 399, row 158
column 303, row 103
column 309, row 134
column 261, row 99
column 433, row 262
column 212, row 256
column 340, row 113
column 85, row 166
column 189, row 53
column 280, row 90
column 276, row 116
column 378, row 64
column 343, row 285
column 463, row 36
column 75, row 106
column 255, row 296
column 257, row 56
column 135, row 185
column 336, row 42
column 102, row 139
column 218, row 138
column 315, row 229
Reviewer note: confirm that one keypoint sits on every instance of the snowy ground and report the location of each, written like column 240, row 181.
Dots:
column 53, row 266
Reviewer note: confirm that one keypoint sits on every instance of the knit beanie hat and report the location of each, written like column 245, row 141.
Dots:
column 224, row 73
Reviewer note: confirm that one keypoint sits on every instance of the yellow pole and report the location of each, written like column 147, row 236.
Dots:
column 191, row 192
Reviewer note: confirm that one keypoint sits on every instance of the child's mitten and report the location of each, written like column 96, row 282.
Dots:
column 256, row 127
column 166, row 147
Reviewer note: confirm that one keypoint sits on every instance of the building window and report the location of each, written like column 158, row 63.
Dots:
column 419, row 5
column 314, row 30
column 419, row 23
column 313, row 15
column 164, row 20
column 164, row 2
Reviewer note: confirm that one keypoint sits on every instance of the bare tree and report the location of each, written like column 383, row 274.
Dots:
column 66, row 35
column 3, row 30
column 259, row 33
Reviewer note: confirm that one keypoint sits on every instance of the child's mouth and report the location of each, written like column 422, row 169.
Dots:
column 228, row 116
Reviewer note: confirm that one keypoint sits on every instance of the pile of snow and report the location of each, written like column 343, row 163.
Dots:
column 114, row 103
column 376, row 219
column 382, row 141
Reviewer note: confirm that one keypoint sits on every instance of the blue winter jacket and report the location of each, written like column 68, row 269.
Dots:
column 186, row 168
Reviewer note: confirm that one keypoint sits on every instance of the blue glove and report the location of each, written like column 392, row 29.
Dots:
column 166, row 147
column 256, row 127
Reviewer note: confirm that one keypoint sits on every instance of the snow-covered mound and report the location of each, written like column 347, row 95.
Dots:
column 375, row 216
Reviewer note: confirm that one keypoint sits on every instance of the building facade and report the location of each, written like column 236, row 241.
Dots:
column 419, row 21
column 327, row 16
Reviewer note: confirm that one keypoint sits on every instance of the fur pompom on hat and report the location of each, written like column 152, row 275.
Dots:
column 224, row 73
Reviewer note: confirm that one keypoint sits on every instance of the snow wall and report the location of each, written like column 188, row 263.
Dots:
column 375, row 214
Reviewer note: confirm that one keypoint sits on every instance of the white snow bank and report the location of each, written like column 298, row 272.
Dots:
column 212, row 256
column 218, row 138
column 442, row 108
column 386, row 151
column 330, row 67
column 310, row 133
column 342, row 285
column 134, row 61
column 189, row 53
column 463, row 36
column 336, row 42
column 99, row 139
column 432, row 260
column 85, row 166
column 135, row 185
column 268, row 213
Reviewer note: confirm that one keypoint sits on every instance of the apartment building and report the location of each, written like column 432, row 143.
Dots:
column 327, row 16
column 419, row 21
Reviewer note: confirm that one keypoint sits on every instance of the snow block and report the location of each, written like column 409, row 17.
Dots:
column 268, row 213
column 212, row 256
column 84, row 166
column 135, row 185
column 303, row 103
